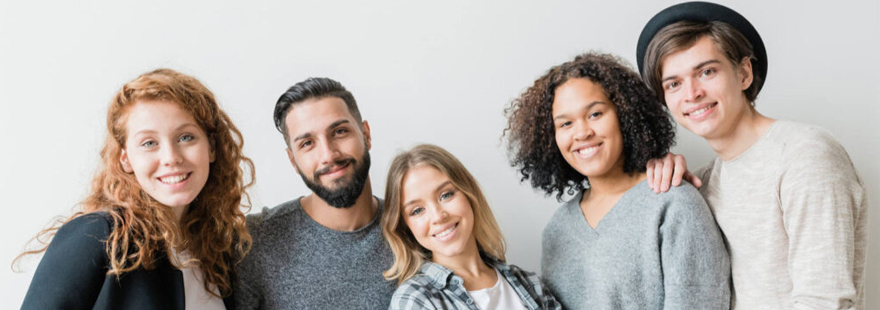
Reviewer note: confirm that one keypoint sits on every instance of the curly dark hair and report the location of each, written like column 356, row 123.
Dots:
column 647, row 129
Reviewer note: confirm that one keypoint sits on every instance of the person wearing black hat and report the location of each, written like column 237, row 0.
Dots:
column 786, row 195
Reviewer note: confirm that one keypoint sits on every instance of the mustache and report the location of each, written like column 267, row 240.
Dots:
column 341, row 162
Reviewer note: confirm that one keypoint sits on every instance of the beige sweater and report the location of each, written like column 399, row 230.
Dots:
column 793, row 213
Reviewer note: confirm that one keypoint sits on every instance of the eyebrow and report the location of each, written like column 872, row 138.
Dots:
column 437, row 189
column 589, row 106
column 332, row 125
column 151, row 131
column 697, row 67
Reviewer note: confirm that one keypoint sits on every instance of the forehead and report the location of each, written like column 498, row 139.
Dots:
column 576, row 93
column 316, row 114
column 156, row 115
column 686, row 59
column 421, row 181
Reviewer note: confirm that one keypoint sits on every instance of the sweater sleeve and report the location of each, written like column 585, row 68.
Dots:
column 73, row 268
column 696, row 267
column 823, row 203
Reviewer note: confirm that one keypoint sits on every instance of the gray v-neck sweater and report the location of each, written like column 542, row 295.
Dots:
column 651, row 251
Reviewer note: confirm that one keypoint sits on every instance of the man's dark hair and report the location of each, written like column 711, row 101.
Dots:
column 312, row 88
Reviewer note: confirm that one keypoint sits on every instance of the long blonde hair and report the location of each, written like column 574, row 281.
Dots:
column 409, row 255
column 213, row 228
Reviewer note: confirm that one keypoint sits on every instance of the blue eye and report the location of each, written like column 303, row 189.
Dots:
column 149, row 143
column 186, row 138
column 416, row 211
column 446, row 195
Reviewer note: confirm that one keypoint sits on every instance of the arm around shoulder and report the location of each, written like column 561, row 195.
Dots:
column 696, row 266
column 73, row 268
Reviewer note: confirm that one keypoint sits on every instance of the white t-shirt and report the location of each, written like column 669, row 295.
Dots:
column 195, row 295
column 499, row 296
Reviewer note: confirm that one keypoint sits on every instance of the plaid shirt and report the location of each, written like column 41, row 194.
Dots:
column 436, row 287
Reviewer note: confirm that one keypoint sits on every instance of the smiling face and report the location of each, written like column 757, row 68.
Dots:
column 169, row 154
column 704, row 90
column 329, row 149
column 587, row 130
column 439, row 215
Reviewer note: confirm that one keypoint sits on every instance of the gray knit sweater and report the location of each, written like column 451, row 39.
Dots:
column 651, row 251
column 296, row 263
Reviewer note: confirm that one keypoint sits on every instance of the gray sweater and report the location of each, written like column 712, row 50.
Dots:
column 296, row 263
column 651, row 251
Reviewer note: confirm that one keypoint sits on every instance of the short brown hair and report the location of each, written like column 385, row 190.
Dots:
column 683, row 35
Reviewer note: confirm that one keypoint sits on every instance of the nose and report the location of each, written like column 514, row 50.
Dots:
column 693, row 90
column 329, row 152
column 582, row 131
column 171, row 155
column 438, row 214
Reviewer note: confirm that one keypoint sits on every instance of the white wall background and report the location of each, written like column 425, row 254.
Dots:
column 438, row 72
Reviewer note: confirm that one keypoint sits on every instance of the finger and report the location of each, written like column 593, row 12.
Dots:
column 694, row 179
column 679, row 171
column 666, row 161
column 649, row 173
column 667, row 177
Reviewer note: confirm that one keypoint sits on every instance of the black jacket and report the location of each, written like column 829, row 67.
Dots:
column 73, row 274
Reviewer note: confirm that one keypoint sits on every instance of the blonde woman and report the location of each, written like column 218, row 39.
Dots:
column 448, row 249
column 163, row 225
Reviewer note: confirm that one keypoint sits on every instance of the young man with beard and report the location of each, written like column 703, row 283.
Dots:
column 785, row 195
column 324, row 250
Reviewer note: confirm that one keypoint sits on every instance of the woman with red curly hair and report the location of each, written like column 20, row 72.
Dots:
column 163, row 224
column 586, row 129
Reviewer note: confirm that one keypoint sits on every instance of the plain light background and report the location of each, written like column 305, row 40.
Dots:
column 422, row 71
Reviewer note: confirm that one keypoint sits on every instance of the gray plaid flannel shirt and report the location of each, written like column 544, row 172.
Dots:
column 436, row 287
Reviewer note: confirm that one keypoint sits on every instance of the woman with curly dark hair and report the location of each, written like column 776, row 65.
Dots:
column 586, row 129
column 163, row 223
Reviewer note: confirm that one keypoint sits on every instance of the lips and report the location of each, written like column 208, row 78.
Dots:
column 337, row 166
column 586, row 151
column 447, row 233
column 174, row 179
column 701, row 111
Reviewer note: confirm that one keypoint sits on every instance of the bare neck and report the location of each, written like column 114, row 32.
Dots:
column 614, row 184
column 470, row 267
column 342, row 219
column 747, row 131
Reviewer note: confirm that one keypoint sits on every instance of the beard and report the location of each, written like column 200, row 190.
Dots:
column 348, row 188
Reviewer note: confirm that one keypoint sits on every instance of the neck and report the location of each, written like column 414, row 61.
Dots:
column 615, row 183
column 748, row 130
column 342, row 219
column 468, row 265
column 179, row 211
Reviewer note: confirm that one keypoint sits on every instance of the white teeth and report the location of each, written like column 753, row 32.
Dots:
column 446, row 232
column 174, row 179
column 587, row 150
column 701, row 111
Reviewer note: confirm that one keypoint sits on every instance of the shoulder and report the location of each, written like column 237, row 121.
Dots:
column 268, row 217
column 88, row 228
column 804, row 140
column 565, row 212
column 685, row 196
column 415, row 292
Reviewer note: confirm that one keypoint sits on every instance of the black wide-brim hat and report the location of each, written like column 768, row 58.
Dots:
column 705, row 11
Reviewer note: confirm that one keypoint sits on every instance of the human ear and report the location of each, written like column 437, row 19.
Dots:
column 367, row 139
column 745, row 72
column 123, row 159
